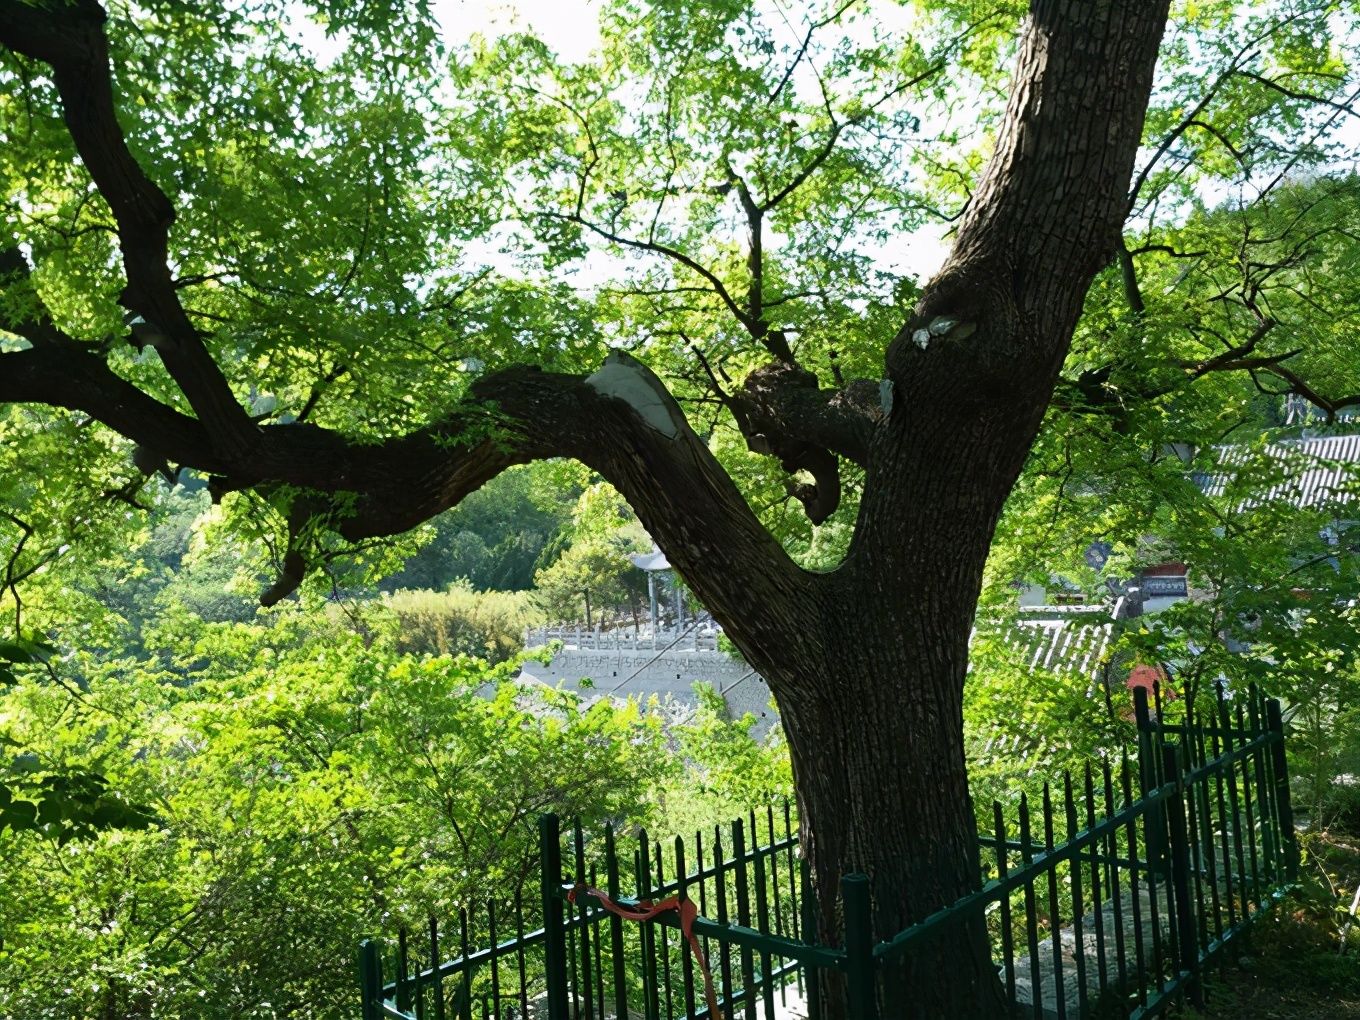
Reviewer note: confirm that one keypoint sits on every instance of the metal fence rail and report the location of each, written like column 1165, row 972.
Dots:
column 745, row 876
column 1112, row 894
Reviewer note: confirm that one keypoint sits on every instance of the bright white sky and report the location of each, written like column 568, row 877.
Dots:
column 569, row 26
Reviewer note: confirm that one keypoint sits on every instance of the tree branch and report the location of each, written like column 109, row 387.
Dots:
column 774, row 340
column 71, row 376
column 1308, row 97
column 662, row 249
column 319, row 389
column 621, row 422
column 1237, row 357
column 831, row 18
column 1298, row 385
column 1095, row 396
column 70, row 39
column 782, row 411
column 1246, row 52
column 1180, row 129
column 782, row 404
column 838, row 128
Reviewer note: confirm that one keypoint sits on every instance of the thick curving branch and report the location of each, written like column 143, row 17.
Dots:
column 783, row 412
column 781, row 403
column 620, row 421
column 71, row 376
column 70, row 39
column 623, row 423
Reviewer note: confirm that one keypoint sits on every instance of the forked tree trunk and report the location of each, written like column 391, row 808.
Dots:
column 882, row 790
column 875, row 726
column 868, row 662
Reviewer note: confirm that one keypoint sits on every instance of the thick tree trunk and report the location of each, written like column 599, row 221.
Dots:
column 871, row 698
column 883, row 790
column 875, row 727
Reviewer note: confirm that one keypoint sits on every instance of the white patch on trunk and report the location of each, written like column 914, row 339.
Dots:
column 623, row 377
column 146, row 334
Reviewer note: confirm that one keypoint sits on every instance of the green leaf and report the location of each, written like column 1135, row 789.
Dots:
column 19, row 814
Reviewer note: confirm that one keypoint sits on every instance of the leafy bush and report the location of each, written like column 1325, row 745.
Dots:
column 489, row 625
column 724, row 773
column 1338, row 808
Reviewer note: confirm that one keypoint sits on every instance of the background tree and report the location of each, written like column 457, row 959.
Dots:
column 497, row 537
column 318, row 249
column 593, row 574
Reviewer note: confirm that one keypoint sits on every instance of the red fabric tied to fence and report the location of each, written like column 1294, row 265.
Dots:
column 646, row 911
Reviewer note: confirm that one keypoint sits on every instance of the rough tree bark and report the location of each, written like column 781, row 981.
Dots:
column 868, row 661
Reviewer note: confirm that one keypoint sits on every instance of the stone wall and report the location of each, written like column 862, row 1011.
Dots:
column 668, row 676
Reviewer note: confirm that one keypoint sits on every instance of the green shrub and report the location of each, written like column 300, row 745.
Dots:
column 489, row 625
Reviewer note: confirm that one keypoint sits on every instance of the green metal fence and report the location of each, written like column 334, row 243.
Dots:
column 1112, row 894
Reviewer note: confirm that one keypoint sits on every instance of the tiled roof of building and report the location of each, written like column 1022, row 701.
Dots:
column 1065, row 647
column 1315, row 471
column 1072, row 645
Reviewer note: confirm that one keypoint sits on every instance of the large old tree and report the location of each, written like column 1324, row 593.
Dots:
column 277, row 268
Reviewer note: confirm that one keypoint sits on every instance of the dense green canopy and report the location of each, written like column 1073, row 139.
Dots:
column 344, row 269
column 359, row 235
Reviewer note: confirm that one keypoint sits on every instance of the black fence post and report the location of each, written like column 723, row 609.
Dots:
column 1154, row 820
column 554, row 940
column 1187, row 939
column 617, row 951
column 747, row 960
column 403, row 969
column 859, row 948
column 1284, row 810
column 370, row 980
column 811, row 922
